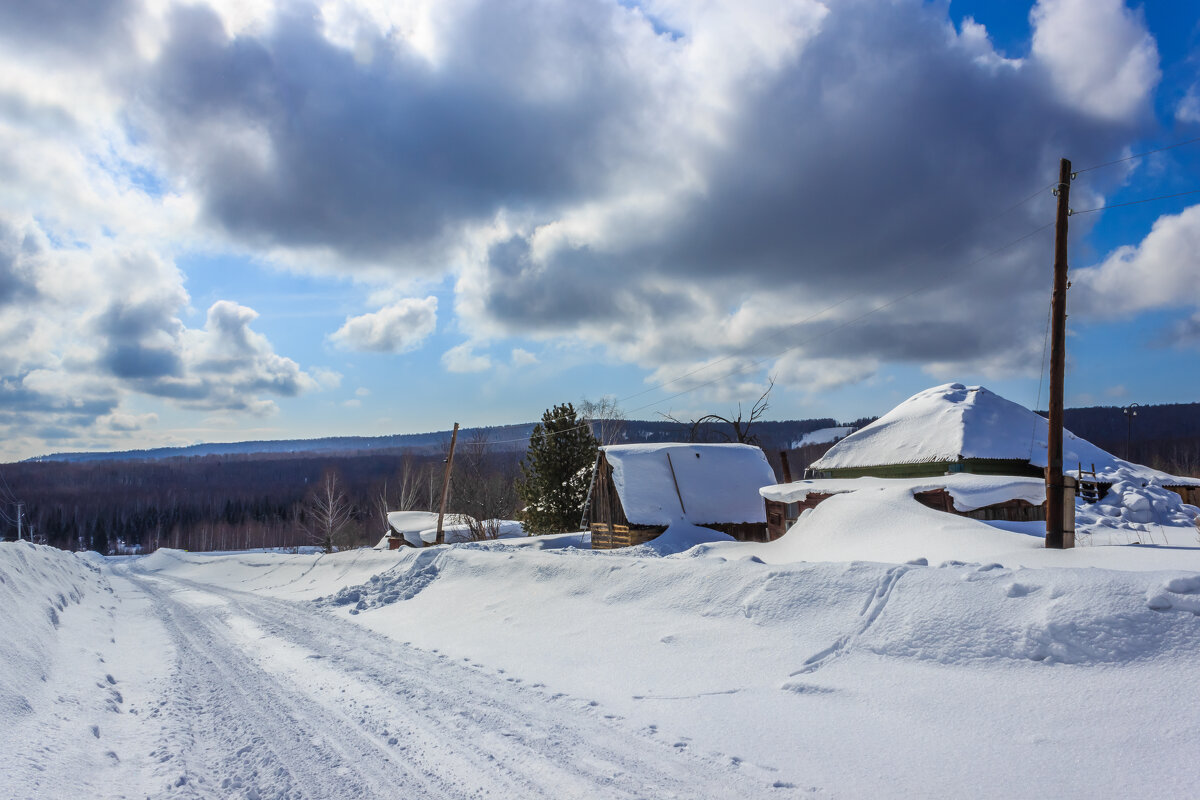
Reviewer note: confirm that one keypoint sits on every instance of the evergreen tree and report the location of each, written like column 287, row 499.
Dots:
column 555, row 472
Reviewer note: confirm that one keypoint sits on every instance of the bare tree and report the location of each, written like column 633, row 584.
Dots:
column 403, row 491
column 329, row 510
column 740, row 425
column 482, row 491
column 605, row 417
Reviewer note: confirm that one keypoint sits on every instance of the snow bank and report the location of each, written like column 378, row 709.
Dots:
column 1132, row 512
column 717, row 482
column 954, row 422
column 38, row 585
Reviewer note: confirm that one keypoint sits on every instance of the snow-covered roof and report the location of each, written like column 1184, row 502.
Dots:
column 968, row 491
column 954, row 422
column 822, row 436
column 717, row 482
column 411, row 521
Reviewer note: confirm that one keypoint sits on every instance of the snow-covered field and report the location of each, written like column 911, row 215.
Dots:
column 880, row 649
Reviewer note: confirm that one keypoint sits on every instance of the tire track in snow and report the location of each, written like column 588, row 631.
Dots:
column 232, row 731
column 391, row 717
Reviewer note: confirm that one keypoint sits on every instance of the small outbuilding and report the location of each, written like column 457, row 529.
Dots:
column 638, row 490
column 405, row 527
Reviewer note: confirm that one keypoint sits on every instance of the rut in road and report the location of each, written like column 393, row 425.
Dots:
column 322, row 708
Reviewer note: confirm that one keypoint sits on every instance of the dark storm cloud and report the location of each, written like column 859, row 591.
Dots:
column 141, row 338
column 365, row 158
column 878, row 160
column 65, row 28
column 876, row 156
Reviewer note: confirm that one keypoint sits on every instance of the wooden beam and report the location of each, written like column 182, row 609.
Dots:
column 676, row 482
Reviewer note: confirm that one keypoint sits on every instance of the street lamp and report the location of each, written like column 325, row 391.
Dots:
column 1130, row 412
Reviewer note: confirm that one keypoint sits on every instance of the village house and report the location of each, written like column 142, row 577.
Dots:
column 639, row 490
column 939, row 439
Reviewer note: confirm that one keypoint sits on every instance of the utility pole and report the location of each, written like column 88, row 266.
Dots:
column 1130, row 412
column 1057, row 536
column 441, row 539
column 19, row 507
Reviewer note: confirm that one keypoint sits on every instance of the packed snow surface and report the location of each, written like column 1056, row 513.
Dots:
column 878, row 649
column 717, row 482
column 954, row 422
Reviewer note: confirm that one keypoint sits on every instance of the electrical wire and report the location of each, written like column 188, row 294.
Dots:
column 1135, row 202
column 1137, row 155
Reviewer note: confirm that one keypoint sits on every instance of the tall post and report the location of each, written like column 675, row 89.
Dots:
column 1056, row 535
column 441, row 539
column 787, row 469
column 19, row 505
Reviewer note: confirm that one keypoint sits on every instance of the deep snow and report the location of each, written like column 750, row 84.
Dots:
column 878, row 649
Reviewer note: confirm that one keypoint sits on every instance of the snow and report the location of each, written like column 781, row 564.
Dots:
column 822, row 436
column 968, row 491
column 953, row 422
column 410, row 524
column 717, row 482
column 879, row 648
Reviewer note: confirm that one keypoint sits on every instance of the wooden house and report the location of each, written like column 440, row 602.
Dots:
column 955, row 428
column 639, row 490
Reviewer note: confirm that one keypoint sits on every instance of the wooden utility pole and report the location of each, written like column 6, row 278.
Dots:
column 1056, row 534
column 787, row 469
column 441, row 539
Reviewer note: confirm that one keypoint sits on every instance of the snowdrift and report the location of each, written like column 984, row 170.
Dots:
column 39, row 586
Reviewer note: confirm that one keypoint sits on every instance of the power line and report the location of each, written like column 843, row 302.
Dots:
column 1136, row 202
column 1137, row 155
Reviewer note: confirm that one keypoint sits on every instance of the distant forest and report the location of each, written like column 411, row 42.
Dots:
column 247, row 500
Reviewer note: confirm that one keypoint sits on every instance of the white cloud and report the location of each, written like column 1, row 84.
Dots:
column 462, row 358
column 1188, row 109
column 1162, row 271
column 523, row 358
column 397, row 328
column 1098, row 54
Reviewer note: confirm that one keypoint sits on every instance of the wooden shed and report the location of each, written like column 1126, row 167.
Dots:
column 638, row 491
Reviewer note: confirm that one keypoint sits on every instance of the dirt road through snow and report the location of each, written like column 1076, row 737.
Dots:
column 275, row 699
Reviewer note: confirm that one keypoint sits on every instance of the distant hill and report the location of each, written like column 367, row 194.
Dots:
column 1104, row 426
column 774, row 434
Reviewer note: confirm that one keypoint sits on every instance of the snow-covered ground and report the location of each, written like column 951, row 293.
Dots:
column 879, row 649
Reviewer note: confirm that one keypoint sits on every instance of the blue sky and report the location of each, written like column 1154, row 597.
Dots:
column 228, row 221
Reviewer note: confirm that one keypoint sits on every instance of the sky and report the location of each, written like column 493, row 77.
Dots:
column 234, row 220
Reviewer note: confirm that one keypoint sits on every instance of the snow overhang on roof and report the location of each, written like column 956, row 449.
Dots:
column 969, row 492
column 718, row 483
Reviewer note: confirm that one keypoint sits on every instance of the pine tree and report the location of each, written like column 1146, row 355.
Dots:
column 555, row 472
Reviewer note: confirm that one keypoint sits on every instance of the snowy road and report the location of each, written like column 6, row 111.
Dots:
column 275, row 699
